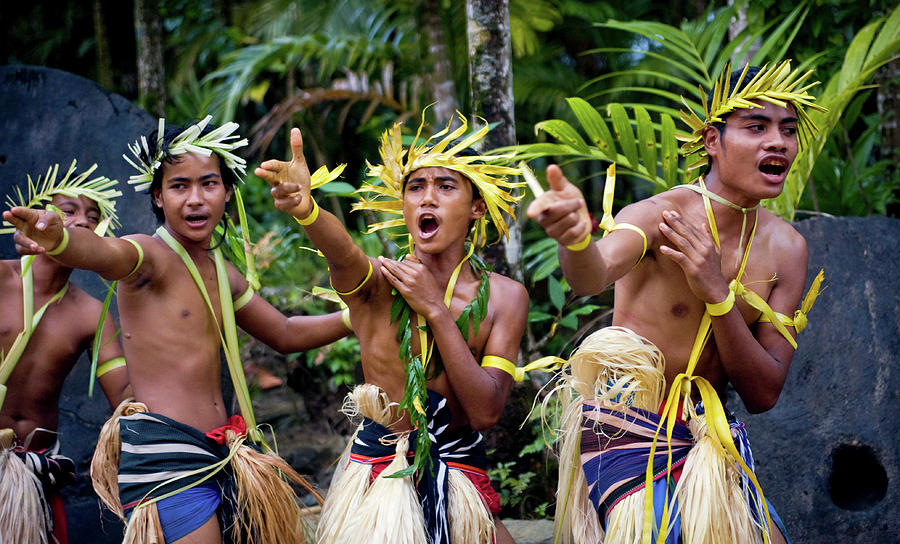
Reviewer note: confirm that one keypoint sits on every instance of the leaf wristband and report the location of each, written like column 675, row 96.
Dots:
column 63, row 244
column 580, row 246
column 721, row 308
column 310, row 217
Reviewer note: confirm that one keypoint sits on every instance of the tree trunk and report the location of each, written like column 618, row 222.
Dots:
column 443, row 89
column 735, row 28
column 490, row 78
column 104, row 61
column 888, row 78
column 151, row 74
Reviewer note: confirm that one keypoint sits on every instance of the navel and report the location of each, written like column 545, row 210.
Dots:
column 185, row 313
column 679, row 310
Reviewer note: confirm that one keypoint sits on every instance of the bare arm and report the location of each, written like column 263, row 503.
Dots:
column 481, row 391
column 40, row 231
column 289, row 334
column 114, row 383
column 290, row 183
column 563, row 214
column 757, row 365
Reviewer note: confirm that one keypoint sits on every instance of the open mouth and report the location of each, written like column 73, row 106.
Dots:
column 195, row 220
column 773, row 167
column 428, row 225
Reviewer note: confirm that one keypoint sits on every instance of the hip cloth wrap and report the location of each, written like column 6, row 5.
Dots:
column 49, row 472
column 160, row 459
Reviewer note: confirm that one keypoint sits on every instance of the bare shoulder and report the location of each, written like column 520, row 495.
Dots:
column 508, row 296
column 780, row 235
column 8, row 269
column 236, row 280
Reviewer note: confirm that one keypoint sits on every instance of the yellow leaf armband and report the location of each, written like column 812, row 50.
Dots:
column 721, row 308
column 62, row 245
column 110, row 365
column 544, row 364
column 582, row 245
column 242, row 300
column 345, row 318
column 310, row 217
column 140, row 259
column 358, row 287
column 799, row 321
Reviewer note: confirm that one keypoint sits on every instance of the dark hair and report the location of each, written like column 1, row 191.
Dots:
column 229, row 179
column 735, row 75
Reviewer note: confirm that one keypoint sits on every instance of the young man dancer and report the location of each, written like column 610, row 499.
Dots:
column 701, row 256
column 437, row 333
column 47, row 325
column 179, row 301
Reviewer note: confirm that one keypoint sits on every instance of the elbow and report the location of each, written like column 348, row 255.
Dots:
column 485, row 420
column 763, row 403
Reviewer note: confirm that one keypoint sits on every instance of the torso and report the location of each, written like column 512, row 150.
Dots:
column 170, row 339
column 379, row 346
column 65, row 331
column 655, row 300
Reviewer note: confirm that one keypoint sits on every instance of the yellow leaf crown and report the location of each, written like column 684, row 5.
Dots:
column 779, row 86
column 41, row 191
column 218, row 141
column 398, row 163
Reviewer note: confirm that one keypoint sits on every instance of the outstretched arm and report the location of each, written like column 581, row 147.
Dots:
column 563, row 214
column 43, row 232
column 290, row 183
column 756, row 365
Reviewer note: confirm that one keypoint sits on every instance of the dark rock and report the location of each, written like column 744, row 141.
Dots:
column 827, row 453
column 49, row 116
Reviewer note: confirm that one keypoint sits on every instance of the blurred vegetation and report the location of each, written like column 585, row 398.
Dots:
column 344, row 71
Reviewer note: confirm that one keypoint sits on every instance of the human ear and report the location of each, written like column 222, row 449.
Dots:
column 712, row 141
column 228, row 192
column 479, row 208
column 157, row 199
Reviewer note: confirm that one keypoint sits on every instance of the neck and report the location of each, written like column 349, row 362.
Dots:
column 196, row 249
column 49, row 276
column 742, row 203
column 442, row 264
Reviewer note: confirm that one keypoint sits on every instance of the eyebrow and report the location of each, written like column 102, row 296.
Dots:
column 437, row 178
column 202, row 178
column 766, row 118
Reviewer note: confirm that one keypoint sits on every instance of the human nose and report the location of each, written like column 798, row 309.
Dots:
column 195, row 195
column 776, row 140
column 429, row 194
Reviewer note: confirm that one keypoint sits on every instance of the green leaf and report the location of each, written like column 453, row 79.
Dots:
column 624, row 134
column 570, row 321
column 338, row 187
column 646, row 139
column 593, row 124
column 668, row 151
column 557, row 296
column 564, row 132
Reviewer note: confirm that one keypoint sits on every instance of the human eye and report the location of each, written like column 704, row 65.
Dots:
column 790, row 130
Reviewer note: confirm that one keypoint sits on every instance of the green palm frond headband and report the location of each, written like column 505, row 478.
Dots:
column 779, row 86
column 398, row 163
column 41, row 191
column 218, row 141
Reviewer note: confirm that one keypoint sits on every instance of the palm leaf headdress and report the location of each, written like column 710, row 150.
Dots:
column 398, row 163
column 219, row 141
column 41, row 191
column 778, row 85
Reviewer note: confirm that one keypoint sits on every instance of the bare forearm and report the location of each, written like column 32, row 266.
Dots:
column 312, row 331
column 346, row 262
column 106, row 256
column 480, row 393
column 755, row 374
column 584, row 270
